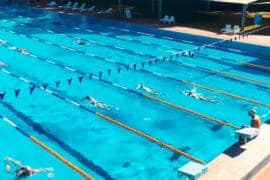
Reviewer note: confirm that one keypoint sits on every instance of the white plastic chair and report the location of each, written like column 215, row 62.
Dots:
column 108, row 11
column 236, row 29
column 171, row 20
column 79, row 8
column 227, row 29
column 91, row 9
column 165, row 19
column 128, row 13
column 75, row 6
column 67, row 6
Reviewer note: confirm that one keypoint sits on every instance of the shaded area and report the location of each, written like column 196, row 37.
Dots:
column 234, row 150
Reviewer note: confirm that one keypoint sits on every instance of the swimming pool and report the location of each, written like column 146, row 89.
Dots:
column 85, row 134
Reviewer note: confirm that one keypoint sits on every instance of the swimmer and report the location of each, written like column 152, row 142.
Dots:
column 80, row 42
column 21, row 50
column 94, row 102
column 147, row 89
column 194, row 94
column 2, row 64
column 23, row 171
column 188, row 54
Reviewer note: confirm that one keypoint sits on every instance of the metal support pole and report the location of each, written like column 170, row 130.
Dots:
column 153, row 6
column 119, row 7
column 208, row 5
column 244, row 16
column 159, row 9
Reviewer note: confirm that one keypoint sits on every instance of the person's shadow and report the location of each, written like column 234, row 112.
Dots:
column 234, row 150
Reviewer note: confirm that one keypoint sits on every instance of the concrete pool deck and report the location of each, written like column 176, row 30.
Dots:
column 248, row 161
column 262, row 40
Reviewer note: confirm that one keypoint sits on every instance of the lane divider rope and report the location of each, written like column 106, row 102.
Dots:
column 131, row 52
column 264, row 83
column 159, row 100
column 113, row 84
column 164, row 102
column 231, row 62
column 193, row 112
column 109, row 119
column 208, row 88
column 170, row 38
column 70, row 49
column 150, row 138
column 226, row 94
column 224, row 74
column 87, row 54
column 255, row 65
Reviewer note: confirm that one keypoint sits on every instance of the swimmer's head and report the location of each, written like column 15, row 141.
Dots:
column 139, row 86
column 193, row 90
column 187, row 92
column 252, row 112
column 28, row 168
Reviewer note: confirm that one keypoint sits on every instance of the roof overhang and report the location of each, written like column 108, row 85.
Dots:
column 244, row 2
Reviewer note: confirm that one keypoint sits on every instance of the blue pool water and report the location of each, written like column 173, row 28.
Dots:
column 99, row 147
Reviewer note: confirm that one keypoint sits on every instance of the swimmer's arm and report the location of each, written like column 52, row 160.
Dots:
column 49, row 169
column 8, row 159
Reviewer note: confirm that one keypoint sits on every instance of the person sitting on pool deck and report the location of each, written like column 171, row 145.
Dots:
column 25, row 171
column 255, row 119
column 94, row 102
column 194, row 94
column 147, row 89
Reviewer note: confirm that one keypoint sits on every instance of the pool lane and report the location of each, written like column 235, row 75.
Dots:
column 45, row 78
column 214, row 56
column 48, row 15
column 61, row 128
column 205, row 59
column 150, row 113
column 235, row 67
column 200, row 76
column 12, row 142
column 51, row 72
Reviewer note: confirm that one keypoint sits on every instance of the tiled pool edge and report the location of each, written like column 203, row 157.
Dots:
column 241, row 161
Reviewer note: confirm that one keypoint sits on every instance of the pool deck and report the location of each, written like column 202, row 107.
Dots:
column 263, row 40
column 248, row 161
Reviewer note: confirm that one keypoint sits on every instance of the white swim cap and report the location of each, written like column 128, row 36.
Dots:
column 28, row 168
column 252, row 112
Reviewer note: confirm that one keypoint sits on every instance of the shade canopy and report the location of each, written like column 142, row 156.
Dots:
column 246, row 2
